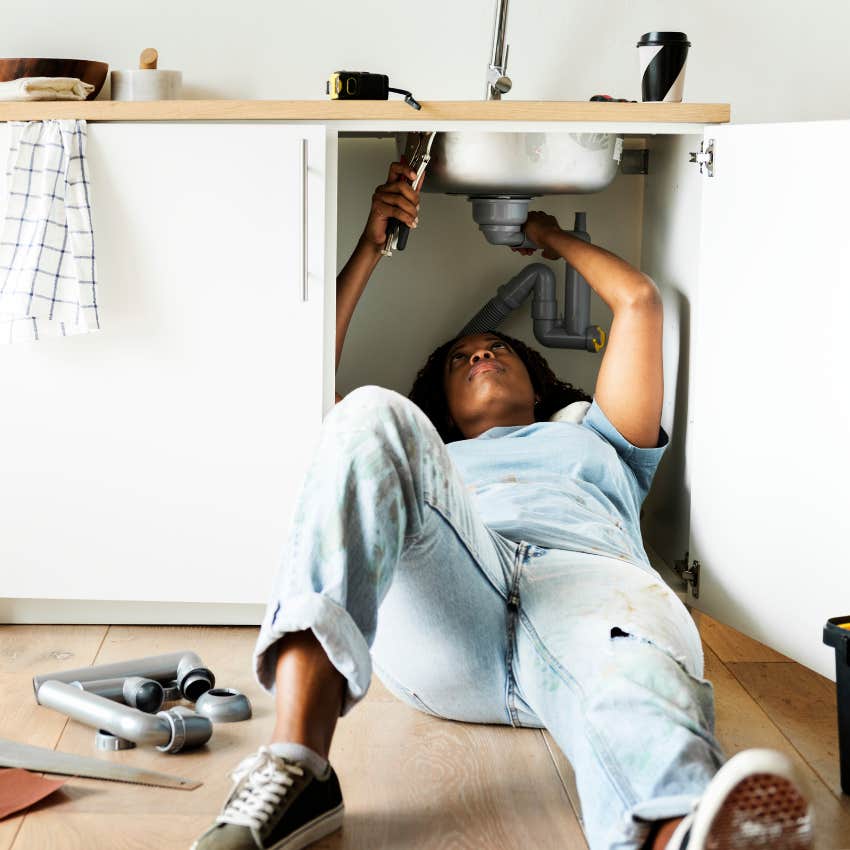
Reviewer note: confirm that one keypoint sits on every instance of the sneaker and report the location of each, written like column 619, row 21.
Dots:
column 754, row 802
column 275, row 804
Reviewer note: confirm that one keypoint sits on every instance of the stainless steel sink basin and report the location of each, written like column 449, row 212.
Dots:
column 520, row 164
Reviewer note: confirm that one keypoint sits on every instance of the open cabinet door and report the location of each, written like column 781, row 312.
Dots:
column 768, row 465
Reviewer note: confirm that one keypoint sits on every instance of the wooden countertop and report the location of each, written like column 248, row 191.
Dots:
column 364, row 110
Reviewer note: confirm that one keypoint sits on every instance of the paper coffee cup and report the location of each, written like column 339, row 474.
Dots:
column 662, row 57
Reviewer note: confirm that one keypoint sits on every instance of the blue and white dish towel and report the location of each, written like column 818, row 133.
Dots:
column 48, row 284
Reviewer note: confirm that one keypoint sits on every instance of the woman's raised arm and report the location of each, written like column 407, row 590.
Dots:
column 394, row 199
column 630, row 385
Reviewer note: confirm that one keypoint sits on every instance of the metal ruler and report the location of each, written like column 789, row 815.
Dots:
column 13, row 754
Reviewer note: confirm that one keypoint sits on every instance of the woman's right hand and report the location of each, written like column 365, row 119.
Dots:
column 394, row 199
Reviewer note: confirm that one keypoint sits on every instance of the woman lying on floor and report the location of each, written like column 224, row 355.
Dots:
column 504, row 553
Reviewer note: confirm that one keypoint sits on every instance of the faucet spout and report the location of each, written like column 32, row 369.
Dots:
column 497, row 81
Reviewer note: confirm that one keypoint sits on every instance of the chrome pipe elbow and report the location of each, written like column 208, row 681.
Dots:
column 170, row 731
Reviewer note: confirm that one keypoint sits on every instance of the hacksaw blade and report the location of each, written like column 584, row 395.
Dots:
column 13, row 754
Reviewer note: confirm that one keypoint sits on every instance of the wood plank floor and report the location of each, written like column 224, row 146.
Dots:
column 410, row 780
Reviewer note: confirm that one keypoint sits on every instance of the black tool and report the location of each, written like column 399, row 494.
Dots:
column 363, row 85
column 606, row 98
column 418, row 155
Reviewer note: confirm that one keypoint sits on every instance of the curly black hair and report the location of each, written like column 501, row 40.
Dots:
column 428, row 390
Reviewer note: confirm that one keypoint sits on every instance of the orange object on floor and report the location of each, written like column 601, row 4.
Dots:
column 20, row 788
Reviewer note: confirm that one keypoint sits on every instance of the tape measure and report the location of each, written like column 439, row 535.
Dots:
column 363, row 85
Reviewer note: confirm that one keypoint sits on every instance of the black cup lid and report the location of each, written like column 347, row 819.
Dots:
column 663, row 38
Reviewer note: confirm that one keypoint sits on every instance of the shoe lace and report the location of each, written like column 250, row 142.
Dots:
column 262, row 781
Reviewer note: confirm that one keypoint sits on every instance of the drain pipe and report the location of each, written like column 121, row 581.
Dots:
column 574, row 331
column 170, row 731
column 193, row 678
column 576, row 288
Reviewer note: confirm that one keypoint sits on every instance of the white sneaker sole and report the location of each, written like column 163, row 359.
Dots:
column 313, row 831
column 757, row 800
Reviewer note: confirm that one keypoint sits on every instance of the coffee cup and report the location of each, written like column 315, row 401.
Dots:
column 662, row 57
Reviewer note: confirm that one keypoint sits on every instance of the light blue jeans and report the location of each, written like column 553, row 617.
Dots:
column 479, row 628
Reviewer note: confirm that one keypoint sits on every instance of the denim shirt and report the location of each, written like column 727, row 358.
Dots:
column 562, row 485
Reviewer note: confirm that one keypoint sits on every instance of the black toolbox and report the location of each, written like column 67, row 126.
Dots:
column 836, row 633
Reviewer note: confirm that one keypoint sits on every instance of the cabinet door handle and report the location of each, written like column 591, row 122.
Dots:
column 304, row 292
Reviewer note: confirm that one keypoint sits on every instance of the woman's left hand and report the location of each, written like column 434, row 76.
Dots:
column 536, row 228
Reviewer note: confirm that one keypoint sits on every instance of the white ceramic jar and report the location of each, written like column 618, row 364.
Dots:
column 146, row 84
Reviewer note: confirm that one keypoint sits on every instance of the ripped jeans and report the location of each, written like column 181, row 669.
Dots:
column 479, row 628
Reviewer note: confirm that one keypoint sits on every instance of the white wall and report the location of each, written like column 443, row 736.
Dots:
column 771, row 59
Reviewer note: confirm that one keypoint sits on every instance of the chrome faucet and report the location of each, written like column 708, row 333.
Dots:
column 497, row 83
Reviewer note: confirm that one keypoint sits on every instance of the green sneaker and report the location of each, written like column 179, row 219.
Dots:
column 275, row 804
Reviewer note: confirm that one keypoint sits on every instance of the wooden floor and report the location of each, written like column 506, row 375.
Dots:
column 410, row 780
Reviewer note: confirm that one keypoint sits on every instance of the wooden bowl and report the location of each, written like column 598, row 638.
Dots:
column 83, row 69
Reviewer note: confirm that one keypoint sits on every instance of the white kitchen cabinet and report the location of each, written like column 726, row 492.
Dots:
column 158, row 459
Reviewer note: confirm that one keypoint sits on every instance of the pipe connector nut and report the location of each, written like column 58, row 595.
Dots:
column 188, row 730
column 223, row 705
column 171, row 692
column 193, row 678
column 111, row 743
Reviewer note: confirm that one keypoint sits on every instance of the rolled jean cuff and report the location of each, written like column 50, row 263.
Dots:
column 335, row 630
column 636, row 821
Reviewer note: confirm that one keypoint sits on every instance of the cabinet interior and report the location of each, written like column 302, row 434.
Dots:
column 421, row 296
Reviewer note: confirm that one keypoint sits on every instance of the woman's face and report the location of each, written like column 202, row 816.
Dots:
column 486, row 385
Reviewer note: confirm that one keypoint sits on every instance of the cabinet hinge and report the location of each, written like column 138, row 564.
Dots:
column 688, row 575
column 705, row 157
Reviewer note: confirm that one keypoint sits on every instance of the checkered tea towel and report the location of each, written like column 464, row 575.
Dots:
column 47, row 271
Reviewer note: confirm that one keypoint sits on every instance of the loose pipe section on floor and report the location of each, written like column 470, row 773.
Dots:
column 138, row 681
column 147, row 695
column 170, row 731
column 193, row 678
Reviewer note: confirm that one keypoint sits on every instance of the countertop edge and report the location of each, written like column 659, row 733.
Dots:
column 344, row 111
